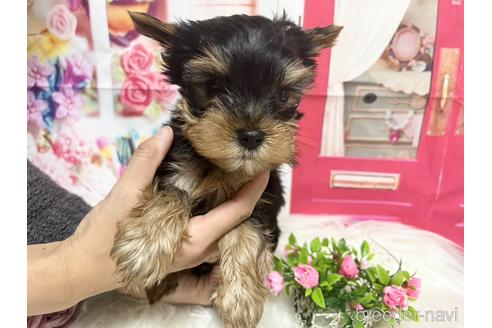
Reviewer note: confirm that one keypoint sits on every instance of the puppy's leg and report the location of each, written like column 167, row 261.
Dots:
column 241, row 291
column 147, row 241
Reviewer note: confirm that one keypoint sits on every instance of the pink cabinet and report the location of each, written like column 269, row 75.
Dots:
column 382, row 136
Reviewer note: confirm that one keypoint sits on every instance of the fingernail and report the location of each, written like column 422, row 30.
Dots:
column 165, row 132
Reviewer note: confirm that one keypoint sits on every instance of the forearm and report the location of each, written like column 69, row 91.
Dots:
column 59, row 277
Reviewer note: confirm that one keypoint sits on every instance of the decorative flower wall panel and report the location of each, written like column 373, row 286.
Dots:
column 61, row 76
column 139, row 87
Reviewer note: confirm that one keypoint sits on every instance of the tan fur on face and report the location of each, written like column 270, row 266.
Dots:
column 297, row 76
column 212, row 61
column 241, row 292
column 148, row 240
column 214, row 136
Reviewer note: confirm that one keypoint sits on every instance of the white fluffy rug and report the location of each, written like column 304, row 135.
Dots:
column 437, row 261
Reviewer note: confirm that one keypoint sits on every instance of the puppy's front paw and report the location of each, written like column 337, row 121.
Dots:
column 146, row 243
column 240, row 302
column 140, row 260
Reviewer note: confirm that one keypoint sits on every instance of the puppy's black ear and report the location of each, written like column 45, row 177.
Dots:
column 323, row 37
column 153, row 28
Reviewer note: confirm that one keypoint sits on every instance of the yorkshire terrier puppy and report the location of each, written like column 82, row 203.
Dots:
column 241, row 79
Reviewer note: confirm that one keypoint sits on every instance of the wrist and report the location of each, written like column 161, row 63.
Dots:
column 88, row 274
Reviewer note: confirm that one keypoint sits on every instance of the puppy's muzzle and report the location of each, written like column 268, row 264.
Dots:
column 250, row 139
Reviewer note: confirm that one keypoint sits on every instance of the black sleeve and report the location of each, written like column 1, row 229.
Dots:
column 53, row 213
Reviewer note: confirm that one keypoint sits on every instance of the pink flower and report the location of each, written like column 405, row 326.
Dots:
column 395, row 297
column 78, row 70
column 35, row 108
column 306, row 276
column 348, row 268
column 163, row 91
column 363, row 264
column 37, row 73
column 61, row 23
column 275, row 282
column 69, row 103
column 136, row 94
column 70, row 147
column 137, row 59
column 356, row 306
column 413, row 287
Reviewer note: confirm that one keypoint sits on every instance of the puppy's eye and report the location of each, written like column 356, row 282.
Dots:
column 283, row 96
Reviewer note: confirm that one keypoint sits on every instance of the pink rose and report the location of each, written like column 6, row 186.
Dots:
column 306, row 276
column 413, row 287
column 348, row 268
column 164, row 91
column 137, row 59
column 356, row 306
column 136, row 94
column 395, row 297
column 61, row 23
column 275, row 282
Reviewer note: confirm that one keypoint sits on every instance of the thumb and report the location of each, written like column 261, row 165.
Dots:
column 146, row 159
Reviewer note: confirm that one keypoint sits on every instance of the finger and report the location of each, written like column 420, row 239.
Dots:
column 226, row 216
column 146, row 159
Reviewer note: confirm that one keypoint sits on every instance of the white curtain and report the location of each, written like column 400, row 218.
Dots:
column 368, row 28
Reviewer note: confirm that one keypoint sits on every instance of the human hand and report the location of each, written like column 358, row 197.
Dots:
column 85, row 255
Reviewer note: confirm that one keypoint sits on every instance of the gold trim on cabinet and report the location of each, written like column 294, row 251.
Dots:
column 364, row 180
column 442, row 102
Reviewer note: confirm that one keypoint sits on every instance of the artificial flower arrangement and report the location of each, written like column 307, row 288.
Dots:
column 336, row 285
column 60, row 84
column 144, row 90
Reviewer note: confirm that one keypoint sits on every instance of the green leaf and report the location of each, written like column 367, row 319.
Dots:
column 303, row 256
column 366, row 300
column 415, row 314
column 372, row 273
column 398, row 278
column 308, row 292
column 365, row 249
column 325, row 242
column 292, row 239
column 342, row 245
column 318, row 298
column 153, row 111
column 316, row 245
column 360, row 292
column 333, row 278
column 383, row 275
column 371, row 256
column 358, row 324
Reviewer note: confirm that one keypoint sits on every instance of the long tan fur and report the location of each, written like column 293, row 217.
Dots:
column 241, row 291
column 147, row 241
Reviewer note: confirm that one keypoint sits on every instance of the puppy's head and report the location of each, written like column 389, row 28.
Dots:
column 241, row 78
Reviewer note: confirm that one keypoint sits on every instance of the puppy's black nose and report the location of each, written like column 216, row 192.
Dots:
column 250, row 139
